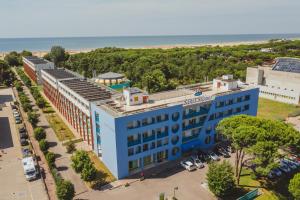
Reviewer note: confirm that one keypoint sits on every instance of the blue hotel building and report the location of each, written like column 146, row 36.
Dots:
column 134, row 131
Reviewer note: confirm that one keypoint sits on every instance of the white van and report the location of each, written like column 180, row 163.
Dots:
column 29, row 168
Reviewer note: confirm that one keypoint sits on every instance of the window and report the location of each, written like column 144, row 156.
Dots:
column 98, row 128
column 130, row 152
column 136, row 99
column 246, row 107
column 96, row 117
column 175, row 116
column 134, row 164
column 247, row 97
column 239, row 99
column 147, row 160
column 220, row 104
column 207, row 139
column 211, row 117
column 145, row 147
column 153, row 145
column 159, row 143
column 138, row 149
column 166, row 141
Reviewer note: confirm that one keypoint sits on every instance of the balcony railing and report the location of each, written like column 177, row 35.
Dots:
column 194, row 114
column 133, row 143
column 149, row 138
column 162, row 134
column 190, row 126
column 189, row 138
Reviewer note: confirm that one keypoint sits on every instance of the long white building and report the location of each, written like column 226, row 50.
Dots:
column 280, row 82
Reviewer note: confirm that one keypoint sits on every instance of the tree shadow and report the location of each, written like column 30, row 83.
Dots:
column 57, row 155
column 52, row 144
column 62, row 168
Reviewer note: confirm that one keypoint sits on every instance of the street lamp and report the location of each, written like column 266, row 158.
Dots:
column 175, row 188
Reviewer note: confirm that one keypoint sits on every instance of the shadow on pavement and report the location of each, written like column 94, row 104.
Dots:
column 5, row 134
column 62, row 168
column 5, row 98
column 52, row 144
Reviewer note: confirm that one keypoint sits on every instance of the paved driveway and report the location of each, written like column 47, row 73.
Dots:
column 13, row 184
column 169, row 177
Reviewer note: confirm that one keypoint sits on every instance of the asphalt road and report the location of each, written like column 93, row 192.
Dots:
column 13, row 184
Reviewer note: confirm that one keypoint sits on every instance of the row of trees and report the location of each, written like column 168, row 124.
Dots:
column 158, row 69
column 64, row 189
column 82, row 164
column 260, row 139
column 6, row 75
column 257, row 143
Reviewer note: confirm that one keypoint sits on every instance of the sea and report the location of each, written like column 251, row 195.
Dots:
column 85, row 43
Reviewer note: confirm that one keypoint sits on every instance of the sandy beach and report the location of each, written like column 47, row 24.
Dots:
column 42, row 53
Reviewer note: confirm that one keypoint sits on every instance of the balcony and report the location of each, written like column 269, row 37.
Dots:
column 162, row 134
column 133, row 143
column 190, row 126
column 189, row 138
column 149, row 138
column 194, row 114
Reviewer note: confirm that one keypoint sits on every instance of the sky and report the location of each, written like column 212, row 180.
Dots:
column 69, row 18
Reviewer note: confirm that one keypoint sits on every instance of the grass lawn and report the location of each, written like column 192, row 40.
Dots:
column 104, row 176
column 275, row 110
column 61, row 130
column 274, row 190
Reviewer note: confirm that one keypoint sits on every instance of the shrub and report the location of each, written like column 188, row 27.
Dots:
column 79, row 159
column 71, row 147
column 65, row 190
column 50, row 157
column 57, row 177
column 40, row 102
column 39, row 133
column 33, row 118
column 88, row 172
column 294, row 186
column 220, row 178
column 44, row 146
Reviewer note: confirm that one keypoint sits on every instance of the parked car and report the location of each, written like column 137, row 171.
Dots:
column 26, row 152
column 23, row 135
column 197, row 162
column 294, row 162
column 188, row 165
column 271, row 175
column 277, row 172
column 16, row 114
column 203, row 156
column 18, row 120
column 283, row 167
column 23, row 142
column 224, row 153
column 213, row 156
column 290, row 164
column 22, row 129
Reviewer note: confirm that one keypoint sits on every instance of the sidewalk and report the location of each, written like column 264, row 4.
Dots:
column 63, row 159
column 48, row 178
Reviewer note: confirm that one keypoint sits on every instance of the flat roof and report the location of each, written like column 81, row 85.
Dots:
column 87, row 90
column 59, row 73
column 181, row 96
column 287, row 65
column 36, row 60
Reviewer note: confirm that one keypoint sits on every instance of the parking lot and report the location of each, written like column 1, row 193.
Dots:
column 13, row 182
column 162, row 179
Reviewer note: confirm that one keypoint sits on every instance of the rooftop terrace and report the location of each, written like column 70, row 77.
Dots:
column 59, row 73
column 35, row 60
column 87, row 90
column 185, row 95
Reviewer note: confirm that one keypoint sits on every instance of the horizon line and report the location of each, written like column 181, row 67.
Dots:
column 170, row 35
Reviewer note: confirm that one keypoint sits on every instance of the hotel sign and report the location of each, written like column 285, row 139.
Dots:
column 199, row 99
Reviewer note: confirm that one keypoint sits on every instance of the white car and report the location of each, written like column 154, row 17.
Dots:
column 197, row 162
column 16, row 114
column 213, row 156
column 188, row 165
